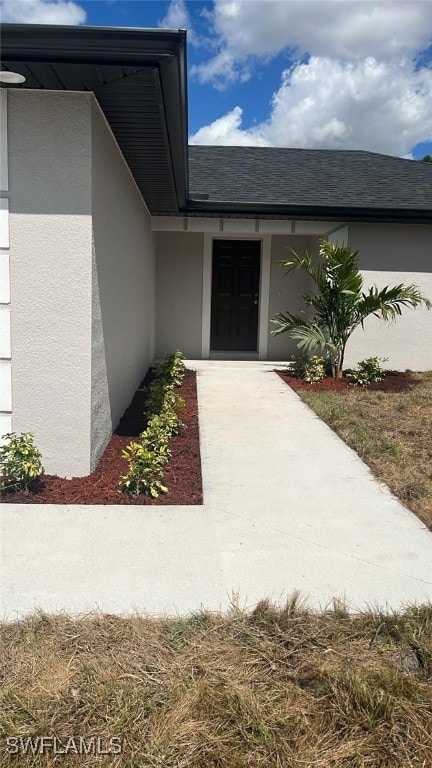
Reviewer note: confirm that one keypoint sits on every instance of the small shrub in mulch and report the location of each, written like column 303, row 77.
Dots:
column 182, row 475
column 394, row 381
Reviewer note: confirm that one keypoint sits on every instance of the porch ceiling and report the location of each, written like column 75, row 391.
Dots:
column 138, row 77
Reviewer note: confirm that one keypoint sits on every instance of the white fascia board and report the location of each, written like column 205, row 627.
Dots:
column 275, row 226
column 202, row 224
column 230, row 225
column 239, row 226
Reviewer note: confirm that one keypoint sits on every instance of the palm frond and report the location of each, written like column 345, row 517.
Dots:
column 310, row 337
column 388, row 303
column 338, row 303
column 305, row 262
column 286, row 321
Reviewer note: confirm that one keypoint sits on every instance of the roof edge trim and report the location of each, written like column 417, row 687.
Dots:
column 334, row 212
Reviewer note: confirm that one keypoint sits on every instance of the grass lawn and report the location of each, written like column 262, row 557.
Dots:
column 392, row 432
column 277, row 689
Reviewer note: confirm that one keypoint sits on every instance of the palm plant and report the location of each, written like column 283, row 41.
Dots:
column 339, row 304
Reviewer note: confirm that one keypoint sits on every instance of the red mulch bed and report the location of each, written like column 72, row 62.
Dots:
column 182, row 474
column 394, row 381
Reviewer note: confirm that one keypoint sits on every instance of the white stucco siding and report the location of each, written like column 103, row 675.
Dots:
column 286, row 290
column 82, row 278
column 50, row 273
column 391, row 254
column 5, row 329
column 179, row 268
column 123, row 286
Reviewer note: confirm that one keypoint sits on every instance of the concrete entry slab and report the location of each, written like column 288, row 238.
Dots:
column 287, row 505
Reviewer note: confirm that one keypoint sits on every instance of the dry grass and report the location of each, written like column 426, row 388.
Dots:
column 276, row 688
column 391, row 432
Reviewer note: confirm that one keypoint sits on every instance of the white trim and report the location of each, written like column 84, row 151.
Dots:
column 4, row 176
column 4, row 222
column 275, row 226
column 199, row 224
column 4, row 278
column 264, row 291
column 5, row 387
column 5, row 334
column 264, row 297
column 231, row 225
column 239, row 226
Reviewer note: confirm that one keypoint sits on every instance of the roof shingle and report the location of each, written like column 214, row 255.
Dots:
column 309, row 177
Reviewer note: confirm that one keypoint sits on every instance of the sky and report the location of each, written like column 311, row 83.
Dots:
column 327, row 74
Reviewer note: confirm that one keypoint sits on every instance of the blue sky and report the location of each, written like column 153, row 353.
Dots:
column 349, row 74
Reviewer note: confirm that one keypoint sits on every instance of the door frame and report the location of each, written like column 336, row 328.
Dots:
column 263, row 298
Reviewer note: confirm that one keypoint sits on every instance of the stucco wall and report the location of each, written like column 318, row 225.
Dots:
column 123, row 286
column 179, row 270
column 391, row 254
column 286, row 290
column 82, row 278
column 50, row 273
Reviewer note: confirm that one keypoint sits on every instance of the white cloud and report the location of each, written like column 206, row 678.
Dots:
column 177, row 17
column 227, row 130
column 220, row 70
column 42, row 12
column 346, row 29
column 382, row 106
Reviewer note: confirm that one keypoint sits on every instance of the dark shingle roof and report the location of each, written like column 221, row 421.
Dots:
column 309, row 177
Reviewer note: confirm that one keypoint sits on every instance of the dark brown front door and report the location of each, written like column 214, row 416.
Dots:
column 235, row 293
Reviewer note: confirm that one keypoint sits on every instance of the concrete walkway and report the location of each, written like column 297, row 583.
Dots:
column 287, row 505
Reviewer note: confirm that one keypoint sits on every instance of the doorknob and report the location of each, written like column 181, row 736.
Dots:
column 254, row 301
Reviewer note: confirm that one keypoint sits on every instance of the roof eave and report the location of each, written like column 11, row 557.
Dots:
column 173, row 73
column 125, row 44
column 334, row 213
column 166, row 49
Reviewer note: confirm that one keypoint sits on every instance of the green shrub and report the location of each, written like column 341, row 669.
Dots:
column 159, row 430
column 368, row 371
column 172, row 369
column 20, row 462
column 338, row 303
column 162, row 398
column 163, row 406
column 146, row 461
column 310, row 369
column 168, row 420
column 156, row 396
